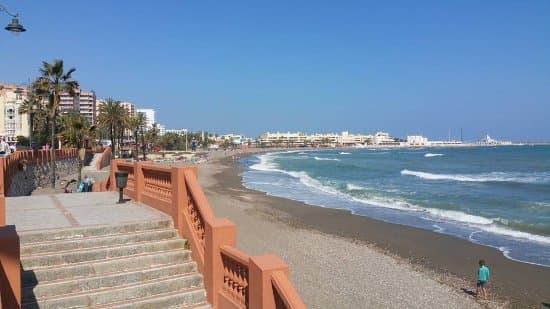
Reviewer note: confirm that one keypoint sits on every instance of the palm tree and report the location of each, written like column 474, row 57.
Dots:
column 75, row 130
column 53, row 82
column 136, row 124
column 112, row 116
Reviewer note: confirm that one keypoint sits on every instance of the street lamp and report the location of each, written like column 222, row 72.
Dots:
column 14, row 27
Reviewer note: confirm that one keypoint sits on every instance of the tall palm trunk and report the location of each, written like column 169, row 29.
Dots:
column 136, row 155
column 52, row 149
column 113, row 148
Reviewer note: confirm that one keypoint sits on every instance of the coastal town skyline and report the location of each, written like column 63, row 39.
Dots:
column 362, row 68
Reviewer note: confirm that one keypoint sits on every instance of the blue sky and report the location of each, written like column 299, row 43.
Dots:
column 406, row 67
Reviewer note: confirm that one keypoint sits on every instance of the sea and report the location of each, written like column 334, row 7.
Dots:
column 493, row 196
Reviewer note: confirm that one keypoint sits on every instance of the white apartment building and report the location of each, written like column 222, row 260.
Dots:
column 12, row 123
column 283, row 139
column 149, row 114
column 82, row 102
column 383, row 138
column 347, row 139
column 417, row 140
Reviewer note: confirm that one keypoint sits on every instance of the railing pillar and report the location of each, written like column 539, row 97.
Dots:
column 10, row 268
column 179, row 197
column 219, row 232
column 112, row 175
column 139, row 181
column 260, row 289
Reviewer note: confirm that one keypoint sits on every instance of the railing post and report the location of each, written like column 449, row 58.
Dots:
column 138, row 181
column 219, row 232
column 179, row 197
column 112, row 175
column 10, row 268
column 260, row 289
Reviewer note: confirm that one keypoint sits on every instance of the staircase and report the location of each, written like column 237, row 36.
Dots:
column 138, row 265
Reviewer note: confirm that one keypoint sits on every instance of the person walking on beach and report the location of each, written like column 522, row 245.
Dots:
column 482, row 278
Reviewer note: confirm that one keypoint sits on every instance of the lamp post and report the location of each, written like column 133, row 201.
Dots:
column 14, row 27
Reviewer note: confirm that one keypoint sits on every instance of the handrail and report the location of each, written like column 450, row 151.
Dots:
column 286, row 295
column 232, row 278
column 105, row 158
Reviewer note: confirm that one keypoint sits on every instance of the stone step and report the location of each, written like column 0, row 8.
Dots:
column 125, row 293
column 32, row 277
column 189, row 299
column 84, row 255
column 100, row 230
column 97, row 241
column 59, row 287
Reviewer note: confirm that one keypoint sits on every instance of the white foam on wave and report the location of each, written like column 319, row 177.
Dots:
column 326, row 159
column 459, row 216
column 429, row 155
column 351, row 187
column 344, row 153
column 485, row 224
column 484, row 177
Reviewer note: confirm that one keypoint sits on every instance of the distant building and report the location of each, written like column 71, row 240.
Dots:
column 283, row 139
column 417, row 140
column 149, row 114
column 82, row 102
column 12, row 122
column 383, row 138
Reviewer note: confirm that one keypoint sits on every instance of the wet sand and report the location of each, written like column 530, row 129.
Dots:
column 451, row 261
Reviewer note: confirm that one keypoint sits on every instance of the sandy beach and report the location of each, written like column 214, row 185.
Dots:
column 339, row 260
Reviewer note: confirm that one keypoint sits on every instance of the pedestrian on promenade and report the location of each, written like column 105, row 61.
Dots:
column 482, row 278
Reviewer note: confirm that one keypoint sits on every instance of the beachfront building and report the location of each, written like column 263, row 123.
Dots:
column 417, row 140
column 346, row 139
column 283, row 139
column 149, row 114
column 83, row 102
column 12, row 122
column 383, row 138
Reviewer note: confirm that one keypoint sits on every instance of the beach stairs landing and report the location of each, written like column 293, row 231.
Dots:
column 138, row 265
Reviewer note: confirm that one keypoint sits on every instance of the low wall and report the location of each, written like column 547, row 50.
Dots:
column 40, row 175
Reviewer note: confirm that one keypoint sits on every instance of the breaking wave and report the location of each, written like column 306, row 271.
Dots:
column 344, row 153
column 429, row 155
column 484, row 177
column 326, row 159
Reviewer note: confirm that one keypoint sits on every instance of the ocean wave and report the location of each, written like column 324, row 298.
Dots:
column 351, row 187
column 494, row 225
column 344, row 153
column 326, row 159
column 484, row 177
column 429, row 155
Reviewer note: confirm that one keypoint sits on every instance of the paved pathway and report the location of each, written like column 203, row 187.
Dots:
column 38, row 212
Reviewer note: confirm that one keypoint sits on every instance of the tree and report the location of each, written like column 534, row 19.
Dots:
column 112, row 117
column 136, row 125
column 76, row 130
column 52, row 83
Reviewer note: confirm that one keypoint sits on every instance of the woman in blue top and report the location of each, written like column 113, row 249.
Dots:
column 482, row 278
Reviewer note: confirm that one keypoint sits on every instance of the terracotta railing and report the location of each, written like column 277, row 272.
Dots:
column 10, row 267
column 232, row 279
column 105, row 159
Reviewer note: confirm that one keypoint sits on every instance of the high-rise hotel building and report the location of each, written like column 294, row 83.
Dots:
column 82, row 102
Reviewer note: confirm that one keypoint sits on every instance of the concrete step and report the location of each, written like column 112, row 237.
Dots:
column 87, row 255
column 125, row 293
column 101, row 230
column 189, row 299
column 31, row 277
column 60, row 287
column 97, row 241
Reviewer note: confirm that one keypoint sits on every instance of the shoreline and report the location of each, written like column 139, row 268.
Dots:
column 515, row 283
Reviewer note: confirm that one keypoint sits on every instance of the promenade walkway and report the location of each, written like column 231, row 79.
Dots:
column 54, row 211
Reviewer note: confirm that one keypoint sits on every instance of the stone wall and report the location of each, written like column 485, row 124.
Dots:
column 40, row 175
